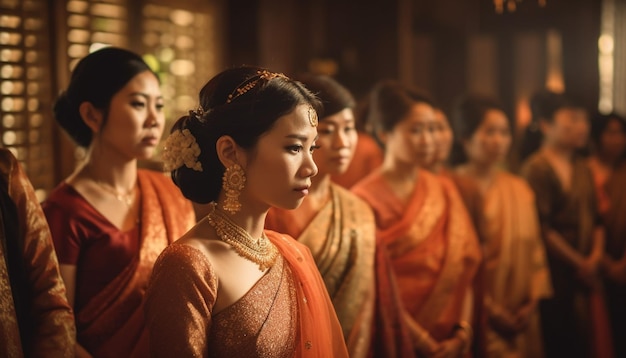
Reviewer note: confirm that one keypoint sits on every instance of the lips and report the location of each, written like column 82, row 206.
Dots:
column 150, row 140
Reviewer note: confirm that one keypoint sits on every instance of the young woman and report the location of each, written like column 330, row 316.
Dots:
column 36, row 319
column 608, row 136
column 574, row 319
column 444, row 138
column 337, row 226
column 109, row 220
column 423, row 223
column 515, row 274
column 229, row 288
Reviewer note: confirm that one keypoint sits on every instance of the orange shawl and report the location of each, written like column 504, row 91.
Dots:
column 112, row 323
column 515, row 266
column 432, row 246
column 35, row 317
column 320, row 333
column 341, row 240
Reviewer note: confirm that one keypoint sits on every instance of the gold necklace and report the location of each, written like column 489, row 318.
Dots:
column 261, row 251
column 125, row 198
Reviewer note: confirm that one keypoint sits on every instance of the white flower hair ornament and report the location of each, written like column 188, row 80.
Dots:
column 181, row 149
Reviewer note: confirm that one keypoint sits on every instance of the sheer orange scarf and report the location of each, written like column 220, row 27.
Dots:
column 112, row 323
column 320, row 333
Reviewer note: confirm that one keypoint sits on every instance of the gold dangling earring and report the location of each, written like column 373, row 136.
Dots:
column 232, row 183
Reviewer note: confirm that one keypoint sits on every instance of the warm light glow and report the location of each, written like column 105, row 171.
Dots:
column 182, row 67
column 181, row 17
column 511, row 5
column 606, row 65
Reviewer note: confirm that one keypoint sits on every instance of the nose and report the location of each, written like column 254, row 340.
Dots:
column 309, row 168
column 153, row 118
column 340, row 139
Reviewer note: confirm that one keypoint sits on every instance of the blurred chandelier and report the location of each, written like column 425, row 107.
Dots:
column 511, row 5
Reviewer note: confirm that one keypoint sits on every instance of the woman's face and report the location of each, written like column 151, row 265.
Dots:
column 280, row 167
column 491, row 141
column 613, row 139
column 443, row 137
column 569, row 128
column 337, row 141
column 135, row 120
column 411, row 141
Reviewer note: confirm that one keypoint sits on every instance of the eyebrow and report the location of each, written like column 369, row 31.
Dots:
column 300, row 137
column 145, row 95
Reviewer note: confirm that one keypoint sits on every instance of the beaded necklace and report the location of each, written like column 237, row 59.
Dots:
column 261, row 251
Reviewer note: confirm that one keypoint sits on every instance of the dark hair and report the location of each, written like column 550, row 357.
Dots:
column 599, row 123
column 390, row 101
column 334, row 97
column 543, row 105
column 246, row 118
column 96, row 79
column 468, row 113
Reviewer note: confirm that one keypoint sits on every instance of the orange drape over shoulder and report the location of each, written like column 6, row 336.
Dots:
column 112, row 323
column 432, row 245
column 320, row 332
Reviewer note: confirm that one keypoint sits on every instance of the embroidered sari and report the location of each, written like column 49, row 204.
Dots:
column 432, row 247
column 111, row 322
column 341, row 238
column 35, row 317
column 515, row 266
column 287, row 313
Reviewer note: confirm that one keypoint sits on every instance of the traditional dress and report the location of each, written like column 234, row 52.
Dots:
column 615, row 223
column 287, row 313
column 572, row 319
column 341, row 238
column 432, row 247
column 35, row 317
column 113, row 267
column 515, row 267
column 368, row 156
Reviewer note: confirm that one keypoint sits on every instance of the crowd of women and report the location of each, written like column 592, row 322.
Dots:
column 291, row 221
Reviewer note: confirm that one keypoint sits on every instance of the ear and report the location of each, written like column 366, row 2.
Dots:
column 229, row 152
column 92, row 116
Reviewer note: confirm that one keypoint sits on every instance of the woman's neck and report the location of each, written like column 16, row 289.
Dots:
column 320, row 187
column 606, row 160
column 251, row 218
column 398, row 170
column 120, row 174
column 558, row 151
column 484, row 174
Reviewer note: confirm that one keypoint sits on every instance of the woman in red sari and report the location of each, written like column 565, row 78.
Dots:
column 423, row 223
column 229, row 288
column 109, row 220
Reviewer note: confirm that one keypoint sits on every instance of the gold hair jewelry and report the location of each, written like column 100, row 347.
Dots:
column 251, row 82
column 233, row 182
column 198, row 112
column 313, row 117
column 261, row 251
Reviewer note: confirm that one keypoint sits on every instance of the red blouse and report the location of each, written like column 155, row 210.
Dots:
column 83, row 237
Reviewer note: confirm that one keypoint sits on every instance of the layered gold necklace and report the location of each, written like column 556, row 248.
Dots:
column 261, row 251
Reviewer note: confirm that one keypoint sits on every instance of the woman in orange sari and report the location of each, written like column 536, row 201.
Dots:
column 423, row 223
column 515, row 273
column 333, row 223
column 228, row 287
column 36, row 319
column 109, row 220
